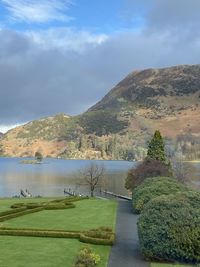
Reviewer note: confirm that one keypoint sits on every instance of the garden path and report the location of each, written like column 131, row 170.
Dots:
column 125, row 252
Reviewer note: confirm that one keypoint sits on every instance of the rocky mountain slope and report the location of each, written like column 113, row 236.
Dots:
column 120, row 125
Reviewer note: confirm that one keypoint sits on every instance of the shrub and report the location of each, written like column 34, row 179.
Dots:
column 154, row 187
column 169, row 228
column 148, row 168
column 87, row 258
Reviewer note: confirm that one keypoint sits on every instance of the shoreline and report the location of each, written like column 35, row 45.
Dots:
column 57, row 158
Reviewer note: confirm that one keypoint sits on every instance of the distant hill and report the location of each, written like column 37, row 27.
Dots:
column 119, row 126
column 1, row 135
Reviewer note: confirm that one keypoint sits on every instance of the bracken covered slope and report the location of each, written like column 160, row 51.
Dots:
column 167, row 99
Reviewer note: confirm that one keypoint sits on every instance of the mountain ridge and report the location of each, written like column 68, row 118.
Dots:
column 121, row 123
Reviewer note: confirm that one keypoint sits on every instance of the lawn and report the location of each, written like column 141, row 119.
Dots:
column 35, row 251
column 88, row 214
column 43, row 252
column 5, row 203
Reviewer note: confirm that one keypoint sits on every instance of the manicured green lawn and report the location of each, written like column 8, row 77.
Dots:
column 88, row 214
column 43, row 252
column 18, row 251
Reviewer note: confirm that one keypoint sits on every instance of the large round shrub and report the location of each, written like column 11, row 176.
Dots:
column 154, row 187
column 169, row 228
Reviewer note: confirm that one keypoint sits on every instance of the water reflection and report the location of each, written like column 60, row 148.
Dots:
column 50, row 178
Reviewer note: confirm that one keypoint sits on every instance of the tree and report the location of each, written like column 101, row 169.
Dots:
column 155, row 164
column 182, row 170
column 92, row 176
column 148, row 168
column 38, row 156
column 156, row 148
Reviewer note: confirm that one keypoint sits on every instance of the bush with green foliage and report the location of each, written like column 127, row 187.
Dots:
column 169, row 228
column 87, row 258
column 154, row 187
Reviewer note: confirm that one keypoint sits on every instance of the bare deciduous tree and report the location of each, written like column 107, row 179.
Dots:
column 183, row 171
column 92, row 176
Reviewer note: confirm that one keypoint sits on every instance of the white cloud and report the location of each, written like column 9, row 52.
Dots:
column 66, row 39
column 5, row 128
column 43, row 11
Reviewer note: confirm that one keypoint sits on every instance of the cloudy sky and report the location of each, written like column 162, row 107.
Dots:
column 64, row 55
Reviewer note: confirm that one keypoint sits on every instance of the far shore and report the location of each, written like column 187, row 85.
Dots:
column 33, row 160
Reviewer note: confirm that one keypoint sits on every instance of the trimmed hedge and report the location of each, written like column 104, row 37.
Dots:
column 19, row 209
column 82, row 236
column 7, row 212
column 101, row 236
column 18, row 214
column 169, row 228
column 98, row 241
column 39, row 233
column 154, row 187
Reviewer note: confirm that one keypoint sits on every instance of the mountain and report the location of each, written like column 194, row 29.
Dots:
column 119, row 126
column 168, row 99
column 1, row 135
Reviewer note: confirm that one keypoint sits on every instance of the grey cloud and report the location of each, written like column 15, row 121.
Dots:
column 35, row 82
column 180, row 16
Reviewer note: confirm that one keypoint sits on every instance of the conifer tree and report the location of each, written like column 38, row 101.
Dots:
column 156, row 148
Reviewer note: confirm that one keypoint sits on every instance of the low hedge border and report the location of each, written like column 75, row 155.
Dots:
column 81, row 236
column 39, row 233
column 98, row 241
column 18, row 214
column 101, row 236
column 20, row 209
column 7, row 212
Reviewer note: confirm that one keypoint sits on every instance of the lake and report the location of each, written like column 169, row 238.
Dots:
column 54, row 175
column 51, row 177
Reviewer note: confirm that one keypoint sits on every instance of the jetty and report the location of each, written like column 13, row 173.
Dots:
column 117, row 195
column 25, row 193
column 69, row 192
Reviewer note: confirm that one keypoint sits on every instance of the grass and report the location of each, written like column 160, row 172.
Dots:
column 54, row 252
column 5, row 203
column 43, row 252
column 88, row 214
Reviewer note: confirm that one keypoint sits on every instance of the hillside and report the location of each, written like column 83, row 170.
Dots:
column 119, row 126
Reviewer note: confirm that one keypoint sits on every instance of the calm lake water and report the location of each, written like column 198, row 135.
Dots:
column 51, row 177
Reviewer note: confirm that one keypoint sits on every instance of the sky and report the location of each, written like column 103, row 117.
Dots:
column 62, row 56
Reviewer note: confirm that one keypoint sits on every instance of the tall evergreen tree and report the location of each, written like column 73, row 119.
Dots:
column 156, row 148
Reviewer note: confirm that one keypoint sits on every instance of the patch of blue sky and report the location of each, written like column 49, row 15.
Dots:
column 97, row 16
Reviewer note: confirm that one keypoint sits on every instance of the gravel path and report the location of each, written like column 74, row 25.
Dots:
column 125, row 253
